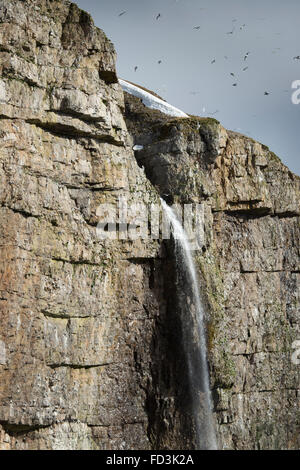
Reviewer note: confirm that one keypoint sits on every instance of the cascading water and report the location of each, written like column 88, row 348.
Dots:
column 192, row 319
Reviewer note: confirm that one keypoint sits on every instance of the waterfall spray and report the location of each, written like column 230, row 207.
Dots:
column 192, row 319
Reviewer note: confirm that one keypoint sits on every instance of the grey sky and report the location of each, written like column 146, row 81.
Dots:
column 187, row 79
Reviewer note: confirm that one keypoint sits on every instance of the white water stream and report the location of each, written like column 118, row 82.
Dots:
column 192, row 320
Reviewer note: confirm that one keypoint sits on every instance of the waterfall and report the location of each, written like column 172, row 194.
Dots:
column 192, row 319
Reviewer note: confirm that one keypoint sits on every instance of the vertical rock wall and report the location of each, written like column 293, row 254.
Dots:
column 90, row 335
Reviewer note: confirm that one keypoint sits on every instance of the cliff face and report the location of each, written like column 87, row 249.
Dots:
column 76, row 312
column 91, row 353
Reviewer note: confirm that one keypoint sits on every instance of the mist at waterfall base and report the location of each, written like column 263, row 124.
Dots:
column 193, row 333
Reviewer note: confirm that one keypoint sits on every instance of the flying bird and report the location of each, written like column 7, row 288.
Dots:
column 266, row 93
column 213, row 61
column 158, row 16
column 242, row 27
column 246, row 56
column 235, row 84
column 196, row 27
column 245, row 68
column 297, row 57
column 135, row 68
column 231, row 32
column 159, row 61
column 232, row 74
column 122, row 13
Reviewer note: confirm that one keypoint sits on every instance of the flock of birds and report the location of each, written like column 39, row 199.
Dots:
column 234, row 28
column 157, row 18
column 124, row 12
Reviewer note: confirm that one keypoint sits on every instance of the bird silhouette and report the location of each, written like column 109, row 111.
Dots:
column 196, row 27
column 232, row 74
column 213, row 61
column 159, row 62
column 158, row 16
column 122, row 13
column 266, row 93
column 297, row 57
column 235, row 84
column 231, row 32
column 135, row 68
column 245, row 68
column 246, row 56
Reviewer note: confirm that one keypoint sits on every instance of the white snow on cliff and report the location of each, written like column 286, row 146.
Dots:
column 151, row 101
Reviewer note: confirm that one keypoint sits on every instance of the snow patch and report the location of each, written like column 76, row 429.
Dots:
column 137, row 147
column 152, row 101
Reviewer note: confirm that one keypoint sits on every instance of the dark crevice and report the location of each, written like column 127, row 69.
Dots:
column 76, row 263
column 80, row 366
column 286, row 215
column 22, row 212
column 98, row 425
column 108, row 76
column 139, row 261
column 248, row 213
column 61, row 316
column 23, row 79
column 77, row 115
column 270, row 271
column 92, row 188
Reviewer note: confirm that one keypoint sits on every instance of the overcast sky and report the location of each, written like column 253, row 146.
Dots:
column 268, row 29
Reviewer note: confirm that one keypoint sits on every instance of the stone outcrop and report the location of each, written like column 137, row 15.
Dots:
column 76, row 312
column 90, row 339
column 249, row 265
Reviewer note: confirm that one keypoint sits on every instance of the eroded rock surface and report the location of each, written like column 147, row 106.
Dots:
column 76, row 312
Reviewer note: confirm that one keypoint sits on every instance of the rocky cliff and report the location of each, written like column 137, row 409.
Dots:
column 91, row 353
